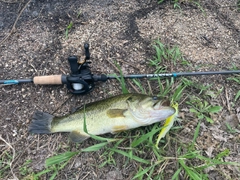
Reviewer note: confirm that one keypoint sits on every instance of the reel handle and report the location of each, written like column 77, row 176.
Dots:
column 52, row 79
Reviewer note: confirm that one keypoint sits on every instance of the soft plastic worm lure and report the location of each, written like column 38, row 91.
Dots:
column 168, row 123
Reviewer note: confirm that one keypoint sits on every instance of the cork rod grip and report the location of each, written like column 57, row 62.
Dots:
column 52, row 79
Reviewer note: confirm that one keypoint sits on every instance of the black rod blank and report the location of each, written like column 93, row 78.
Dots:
column 131, row 76
column 177, row 74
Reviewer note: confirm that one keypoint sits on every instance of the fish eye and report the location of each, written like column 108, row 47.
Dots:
column 154, row 98
column 130, row 99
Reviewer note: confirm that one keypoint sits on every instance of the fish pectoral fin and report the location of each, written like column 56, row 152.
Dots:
column 77, row 137
column 120, row 128
column 114, row 113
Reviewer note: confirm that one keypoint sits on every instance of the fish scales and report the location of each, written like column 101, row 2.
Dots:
column 110, row 115
column 95, row 114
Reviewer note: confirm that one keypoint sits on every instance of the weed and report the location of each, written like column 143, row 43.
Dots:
column 160, row 1
column 199, row 86
column 231, row 129
column 165, row 53
column 121, row 80
column 213, row 94
column 197, row 171
column 79, row 13
column 176, row 4
column 238, row 5
column 237, row 80
column 70, row 25
column 178, row 91
column 107, row 155
column 24, row 169
column 199, row 6
column 202, row 109
column 139, row 85
column 165, row 89
column 5, row 160
column 54, row 164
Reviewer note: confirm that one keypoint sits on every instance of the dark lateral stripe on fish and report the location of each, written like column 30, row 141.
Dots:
column 41, row 123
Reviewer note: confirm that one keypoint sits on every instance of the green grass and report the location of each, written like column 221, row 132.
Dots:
column 177, row 4
column 202, row 109
column 236, row 79
column 238, row 5
column 7, row 156
column 25, row 169
column 69, row 27
column 5, row 161
column 166, row 54
column 121, row 80
column 231, row 129
column 181, row 157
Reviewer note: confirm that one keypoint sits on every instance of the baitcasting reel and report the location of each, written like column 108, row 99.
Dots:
column 81, row 80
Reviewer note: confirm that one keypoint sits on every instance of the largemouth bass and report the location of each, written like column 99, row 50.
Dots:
column 115, row 114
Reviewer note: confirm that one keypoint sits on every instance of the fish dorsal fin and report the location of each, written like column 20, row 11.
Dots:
column 77, row 137
column 115, row 113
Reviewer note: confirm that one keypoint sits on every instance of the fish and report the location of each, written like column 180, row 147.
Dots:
column 111, row 115
column 168, row 123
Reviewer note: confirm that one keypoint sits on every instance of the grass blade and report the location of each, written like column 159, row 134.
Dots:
column 95, row 147
column 136, row 158
column 191, row 173
column 175, row 176
column 237, row 96
column 214, row 109
column 141, row 172
column 58, row 159
column 178, row 93
column 121, row 80
column 143, row 138
column 137, row 82
column 35, row 176
column 53, row 175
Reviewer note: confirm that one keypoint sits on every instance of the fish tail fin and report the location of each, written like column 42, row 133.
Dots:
column 41, row 123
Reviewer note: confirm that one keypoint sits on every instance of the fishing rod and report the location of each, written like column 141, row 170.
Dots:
column 81, row 80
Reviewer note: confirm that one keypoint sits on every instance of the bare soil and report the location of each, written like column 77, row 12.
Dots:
column 33, row 42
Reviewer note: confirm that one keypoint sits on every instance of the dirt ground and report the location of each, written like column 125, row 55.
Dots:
column 34, row 43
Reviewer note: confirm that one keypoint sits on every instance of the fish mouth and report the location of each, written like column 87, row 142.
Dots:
column 148, row 117
column 161, row 105
column 150, row 111
column 169, row 108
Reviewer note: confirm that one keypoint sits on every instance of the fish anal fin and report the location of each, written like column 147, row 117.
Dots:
column 114, row 113
column 120, row 128
column 77, row 137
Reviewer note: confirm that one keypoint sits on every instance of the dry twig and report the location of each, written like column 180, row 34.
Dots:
column 14, row 25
